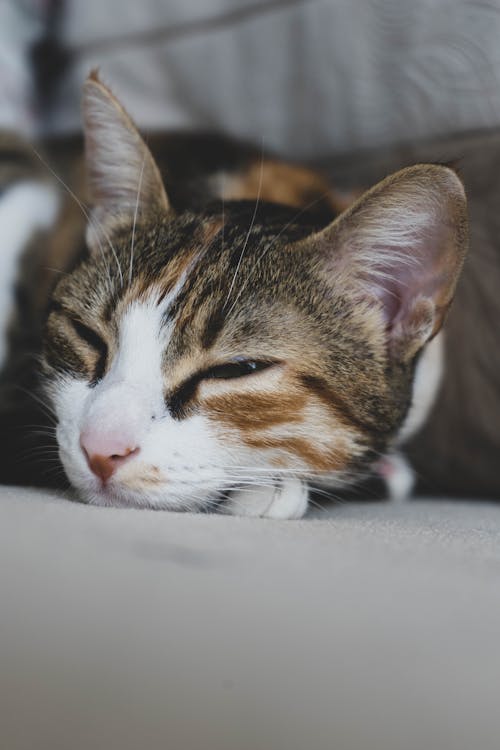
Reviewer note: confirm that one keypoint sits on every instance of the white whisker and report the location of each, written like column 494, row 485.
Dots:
column 257, row 201
column 276, row 238
column 97, row 227
column 135, row 221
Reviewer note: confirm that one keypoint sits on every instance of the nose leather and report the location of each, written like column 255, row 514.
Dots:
column 102, row 465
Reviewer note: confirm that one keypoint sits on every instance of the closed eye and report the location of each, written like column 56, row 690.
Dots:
column 73, row 346
column 88, row 335
column 95, row 342
column 235, row 369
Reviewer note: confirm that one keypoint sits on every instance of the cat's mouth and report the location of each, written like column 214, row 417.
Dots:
column 133, row 485
column 118, row 497
column 139, row 494
column 146, row 486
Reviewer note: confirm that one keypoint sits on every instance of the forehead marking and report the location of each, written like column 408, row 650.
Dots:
column 144, row 331
column 138, row 357
column 167, row 305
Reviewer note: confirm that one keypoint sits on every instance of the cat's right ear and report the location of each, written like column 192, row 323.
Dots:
column 399, row 251
column 123, row 179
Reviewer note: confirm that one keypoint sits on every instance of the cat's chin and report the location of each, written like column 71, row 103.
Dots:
column 288, row 499
column 118, row 497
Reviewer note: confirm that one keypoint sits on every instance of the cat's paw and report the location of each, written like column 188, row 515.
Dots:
column 286, row 499
column 397, row 474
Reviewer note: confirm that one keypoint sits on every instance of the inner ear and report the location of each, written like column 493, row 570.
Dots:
column 401, row 247
column 123, row 178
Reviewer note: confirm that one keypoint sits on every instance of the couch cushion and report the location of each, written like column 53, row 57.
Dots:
column 365, row 625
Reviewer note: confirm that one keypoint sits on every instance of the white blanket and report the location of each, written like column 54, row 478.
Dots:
column 370, row 625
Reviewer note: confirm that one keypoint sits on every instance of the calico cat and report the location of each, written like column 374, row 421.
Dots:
column 222, row 332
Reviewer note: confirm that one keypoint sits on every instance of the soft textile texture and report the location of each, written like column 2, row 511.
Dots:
column 368, row 625
column 307, row 76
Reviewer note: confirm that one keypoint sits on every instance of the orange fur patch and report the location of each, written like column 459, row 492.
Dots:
column 254, row 415
column 289, row 184
column 256, row 411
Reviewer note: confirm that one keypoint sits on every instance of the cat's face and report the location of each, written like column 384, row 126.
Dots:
column 189, row 355
column 220, row 360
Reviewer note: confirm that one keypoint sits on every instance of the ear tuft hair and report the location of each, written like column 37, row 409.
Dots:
column 123, row 178
column 402, row 246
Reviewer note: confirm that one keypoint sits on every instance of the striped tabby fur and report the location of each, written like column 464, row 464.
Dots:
column 220, row 327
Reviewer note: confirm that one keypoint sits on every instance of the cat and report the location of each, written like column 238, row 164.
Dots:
column 225, row 331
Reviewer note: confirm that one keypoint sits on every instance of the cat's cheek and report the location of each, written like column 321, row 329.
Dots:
column 69, row 397
column 192, row 459
column 182, row 464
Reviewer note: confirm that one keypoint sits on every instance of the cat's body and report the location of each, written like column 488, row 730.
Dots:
column 220, row 334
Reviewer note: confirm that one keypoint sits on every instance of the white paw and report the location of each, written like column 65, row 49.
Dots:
column 286, row 499
column 397, row 474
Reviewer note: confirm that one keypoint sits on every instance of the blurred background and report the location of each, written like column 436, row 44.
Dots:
column 309, row 77
column 373, row 626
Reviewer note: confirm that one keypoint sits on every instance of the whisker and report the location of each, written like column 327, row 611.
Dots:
column 46, row 408
column 257, row 201
column 135, row 221
column 223, row 210
column 55, row 270
column 276, row 238
column 97, row 226
column 41, row 429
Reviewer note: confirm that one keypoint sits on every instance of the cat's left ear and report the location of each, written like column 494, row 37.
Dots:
column 399, row 251
column 123, row 178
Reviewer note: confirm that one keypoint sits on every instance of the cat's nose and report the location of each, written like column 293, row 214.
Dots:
column 104, row 454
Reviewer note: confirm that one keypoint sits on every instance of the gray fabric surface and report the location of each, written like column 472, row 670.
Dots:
column 368, row 625
column 306, row 77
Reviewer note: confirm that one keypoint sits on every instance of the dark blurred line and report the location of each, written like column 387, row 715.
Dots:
column 49, row 56
column 189, row 28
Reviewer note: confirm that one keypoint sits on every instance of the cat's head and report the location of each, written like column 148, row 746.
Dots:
column 188, row 354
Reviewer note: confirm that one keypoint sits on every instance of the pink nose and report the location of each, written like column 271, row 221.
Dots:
column 104, row 455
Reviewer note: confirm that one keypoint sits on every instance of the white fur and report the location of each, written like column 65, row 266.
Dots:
column 396, row 469
column 186, row 454
column 285, row 499
column 428, row 377
column 24, row 208
column 137, row 365
column 398, row 475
